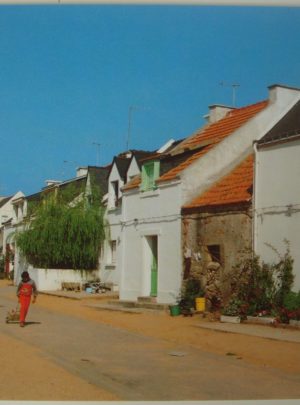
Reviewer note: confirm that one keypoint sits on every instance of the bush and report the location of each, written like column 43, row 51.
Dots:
column 263, row 288
column 291, row 307
column 285, row 276
column 292, row 301
column 254, row 284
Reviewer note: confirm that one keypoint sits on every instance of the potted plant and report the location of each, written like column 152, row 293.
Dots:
column 175, row 308
column 232, row 311
column 193, row 296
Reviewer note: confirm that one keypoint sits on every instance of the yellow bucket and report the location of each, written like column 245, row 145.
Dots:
column 200, row 304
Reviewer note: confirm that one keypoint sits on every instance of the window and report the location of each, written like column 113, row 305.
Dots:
column 115, row 191
column 215, row 253
column 112, row 253
column 113, row 248
column 150, row 172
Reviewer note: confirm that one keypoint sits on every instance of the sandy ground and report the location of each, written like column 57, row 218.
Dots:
column 185, row 331
column 28, row 376
column 45, row 381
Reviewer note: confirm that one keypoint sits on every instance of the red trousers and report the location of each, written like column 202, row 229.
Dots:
column 24, row 306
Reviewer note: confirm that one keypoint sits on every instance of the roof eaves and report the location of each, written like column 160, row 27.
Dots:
column 290, row 136
column 230, row 206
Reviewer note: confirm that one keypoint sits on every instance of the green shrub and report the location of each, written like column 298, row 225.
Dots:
column 285, row 276
column 254, row 284
column 261, row 287
column 292, row 301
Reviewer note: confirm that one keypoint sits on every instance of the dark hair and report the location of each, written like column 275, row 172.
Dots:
column 25, row 276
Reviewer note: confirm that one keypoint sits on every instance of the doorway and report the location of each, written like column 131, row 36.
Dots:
column 152, row 266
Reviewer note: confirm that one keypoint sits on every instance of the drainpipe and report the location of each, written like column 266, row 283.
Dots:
column 254, row 199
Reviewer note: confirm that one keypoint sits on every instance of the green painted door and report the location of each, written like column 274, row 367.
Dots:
column 154, row 269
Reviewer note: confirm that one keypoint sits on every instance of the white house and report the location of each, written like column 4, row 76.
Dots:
column 51, row 279
column 124, row 167
column 11, row 210
column 277, row 192
column 151, row 245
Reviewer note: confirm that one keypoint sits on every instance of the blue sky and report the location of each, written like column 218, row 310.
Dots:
column 68, row 75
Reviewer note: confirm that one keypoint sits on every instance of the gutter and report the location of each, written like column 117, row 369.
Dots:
column 284, row 138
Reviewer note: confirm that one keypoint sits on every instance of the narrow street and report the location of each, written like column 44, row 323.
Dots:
column 110, row 362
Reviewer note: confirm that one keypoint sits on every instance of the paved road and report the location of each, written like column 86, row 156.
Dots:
column 136, row 367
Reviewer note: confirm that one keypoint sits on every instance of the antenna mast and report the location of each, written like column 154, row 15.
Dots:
column 98, row 151
column 234, row 87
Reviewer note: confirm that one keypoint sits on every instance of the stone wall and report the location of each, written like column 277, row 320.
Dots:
column 213, row 243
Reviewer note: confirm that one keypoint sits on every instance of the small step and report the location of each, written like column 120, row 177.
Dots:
column 138, row 304
column 122, row 303
column 152, row 300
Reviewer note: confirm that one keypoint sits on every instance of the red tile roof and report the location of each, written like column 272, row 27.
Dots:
column 208, row 137
column 215, row 133
column 134, row 183
column 232, row 189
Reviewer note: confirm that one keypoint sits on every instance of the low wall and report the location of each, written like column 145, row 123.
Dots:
column 51, row 279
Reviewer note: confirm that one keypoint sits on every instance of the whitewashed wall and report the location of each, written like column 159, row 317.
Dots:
column 153, row 213
column 277, row 202
column 52, row 279
column 110, row 273
column 133, row 169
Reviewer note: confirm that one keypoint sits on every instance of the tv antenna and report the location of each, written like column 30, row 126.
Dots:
column 234, row 87
column 130, row 113
column 98, row 151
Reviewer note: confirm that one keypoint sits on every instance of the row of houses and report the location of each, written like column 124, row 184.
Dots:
column 193, row 206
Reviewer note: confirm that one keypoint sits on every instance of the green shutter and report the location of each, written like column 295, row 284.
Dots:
column 154, row 274
column 150, row 172
column 144, row 179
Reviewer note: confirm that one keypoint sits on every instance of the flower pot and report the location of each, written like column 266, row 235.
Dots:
column 294, row 323
column 174, row 310
column 200, row 304
column 264, row 320
column 230, row 319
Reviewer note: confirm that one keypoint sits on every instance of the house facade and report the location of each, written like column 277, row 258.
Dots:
column 11, row 211
column 124, row 167
column 151, row 243
column 217, row 232
column 277, row 192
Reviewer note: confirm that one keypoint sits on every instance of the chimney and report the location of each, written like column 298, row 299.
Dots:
column 81, row 171
column 279, row 90
column 50, row 183
column 216, row 112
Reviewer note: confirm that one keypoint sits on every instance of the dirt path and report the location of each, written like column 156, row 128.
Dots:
column 28, row 376
column 25, row 367
column 265, row 352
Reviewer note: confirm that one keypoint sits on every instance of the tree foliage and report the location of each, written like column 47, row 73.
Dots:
column 65, row 229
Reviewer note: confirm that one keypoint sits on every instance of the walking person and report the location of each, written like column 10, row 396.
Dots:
column 25, row 290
